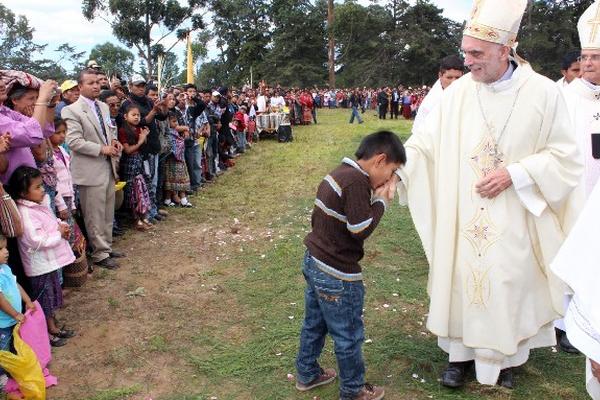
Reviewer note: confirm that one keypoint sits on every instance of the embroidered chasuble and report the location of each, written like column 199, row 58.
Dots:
column 492, row 295
column 583, row 103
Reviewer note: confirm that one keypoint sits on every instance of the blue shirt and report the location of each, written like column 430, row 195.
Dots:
column 10, row 291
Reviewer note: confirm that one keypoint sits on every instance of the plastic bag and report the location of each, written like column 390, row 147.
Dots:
column 24, row 368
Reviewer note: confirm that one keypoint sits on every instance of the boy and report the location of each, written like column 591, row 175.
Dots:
column 11, row 294
column 350, row 203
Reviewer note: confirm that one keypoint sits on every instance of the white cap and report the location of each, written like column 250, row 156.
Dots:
column 589, row 28
column 215, row 93
column 496, row 21
column 136, row 79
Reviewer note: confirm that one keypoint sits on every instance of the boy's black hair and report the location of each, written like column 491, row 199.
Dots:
column 189, row 86
column 20, row 181
column 570, row 58
column 151, row 88
column 451, row 62
column 382, row 142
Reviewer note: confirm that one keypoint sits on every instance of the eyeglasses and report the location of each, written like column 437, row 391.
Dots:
column 116, row 105
column 476, row 54
column 592, row 58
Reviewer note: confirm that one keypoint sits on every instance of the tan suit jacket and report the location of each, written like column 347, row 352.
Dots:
column 85, row 139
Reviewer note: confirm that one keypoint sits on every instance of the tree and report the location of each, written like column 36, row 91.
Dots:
column 241, row 29
column 423, row 37
column 330, row 43
column 299, row 53
column 134, row 21
column 360, row 32
column 171, row 70
column 16, row 41
column 544, row 44
column 113, row 59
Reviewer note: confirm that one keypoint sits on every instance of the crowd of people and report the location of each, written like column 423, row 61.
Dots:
column 492, row 210
column 70, row 152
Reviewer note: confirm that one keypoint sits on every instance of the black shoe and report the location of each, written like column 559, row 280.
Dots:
column 108, row 263
column 118, row 232
column 563, row 342
column 454, row 375
column 158, row 217
column 507, row 378
column 56, row 341
column 116, row 254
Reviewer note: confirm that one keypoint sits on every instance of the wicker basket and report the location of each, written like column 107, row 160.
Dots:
column 75, row 274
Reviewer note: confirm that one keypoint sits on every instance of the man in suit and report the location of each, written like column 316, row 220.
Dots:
column 94, row 165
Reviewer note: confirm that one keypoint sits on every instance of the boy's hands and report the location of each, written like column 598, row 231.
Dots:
column 20, row 318
column 386, row 191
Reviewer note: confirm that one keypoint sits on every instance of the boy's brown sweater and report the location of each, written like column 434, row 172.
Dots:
column 343, row 217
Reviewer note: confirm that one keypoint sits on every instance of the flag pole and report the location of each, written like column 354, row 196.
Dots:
column 190, row 61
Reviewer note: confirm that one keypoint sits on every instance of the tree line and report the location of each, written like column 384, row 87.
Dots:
column 285, row 41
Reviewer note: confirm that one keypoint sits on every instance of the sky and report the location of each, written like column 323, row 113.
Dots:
column 60, row 21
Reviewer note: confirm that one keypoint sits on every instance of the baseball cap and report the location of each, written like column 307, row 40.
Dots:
column 215, row 93
column 68, row 85
column 93, row 64
column 136, row 79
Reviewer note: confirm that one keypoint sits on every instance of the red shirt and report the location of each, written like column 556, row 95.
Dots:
column 123, row 136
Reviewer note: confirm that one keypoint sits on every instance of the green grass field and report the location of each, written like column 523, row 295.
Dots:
column 242, row 344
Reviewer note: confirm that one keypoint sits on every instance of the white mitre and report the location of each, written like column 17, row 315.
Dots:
column 589, row 28
column 496, row 21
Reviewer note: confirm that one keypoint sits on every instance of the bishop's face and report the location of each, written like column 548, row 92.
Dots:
column 590, row 65
column 487, row 61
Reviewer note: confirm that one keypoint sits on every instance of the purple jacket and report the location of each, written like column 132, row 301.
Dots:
column 25, row 133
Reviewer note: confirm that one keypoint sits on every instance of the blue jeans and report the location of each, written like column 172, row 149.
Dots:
column 198, row 164
column 6, row 341
column 190, row 163
column 356, row 114
column 332, row 306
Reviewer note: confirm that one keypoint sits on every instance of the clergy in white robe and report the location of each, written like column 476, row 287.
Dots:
column 578, row 263
column 451, row 69
column 489, row 183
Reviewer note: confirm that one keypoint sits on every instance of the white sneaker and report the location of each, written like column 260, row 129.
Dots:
column 185, row 203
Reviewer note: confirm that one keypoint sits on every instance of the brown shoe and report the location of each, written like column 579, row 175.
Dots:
column 327, row 376
column 370, row 392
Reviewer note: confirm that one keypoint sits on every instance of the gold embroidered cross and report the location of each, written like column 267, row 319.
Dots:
column 595, row 22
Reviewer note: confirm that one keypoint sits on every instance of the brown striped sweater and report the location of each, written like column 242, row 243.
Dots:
column 345, row 214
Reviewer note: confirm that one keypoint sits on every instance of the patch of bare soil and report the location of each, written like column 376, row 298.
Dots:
column 136, row 325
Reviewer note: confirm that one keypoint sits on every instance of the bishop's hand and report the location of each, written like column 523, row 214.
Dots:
column 494, row 183
column 595, row 370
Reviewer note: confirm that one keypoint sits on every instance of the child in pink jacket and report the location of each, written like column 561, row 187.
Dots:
column 43, row 246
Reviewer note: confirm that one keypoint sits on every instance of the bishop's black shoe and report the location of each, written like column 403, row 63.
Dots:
column 454, row 376
column 507, row 378
column 563, row 342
